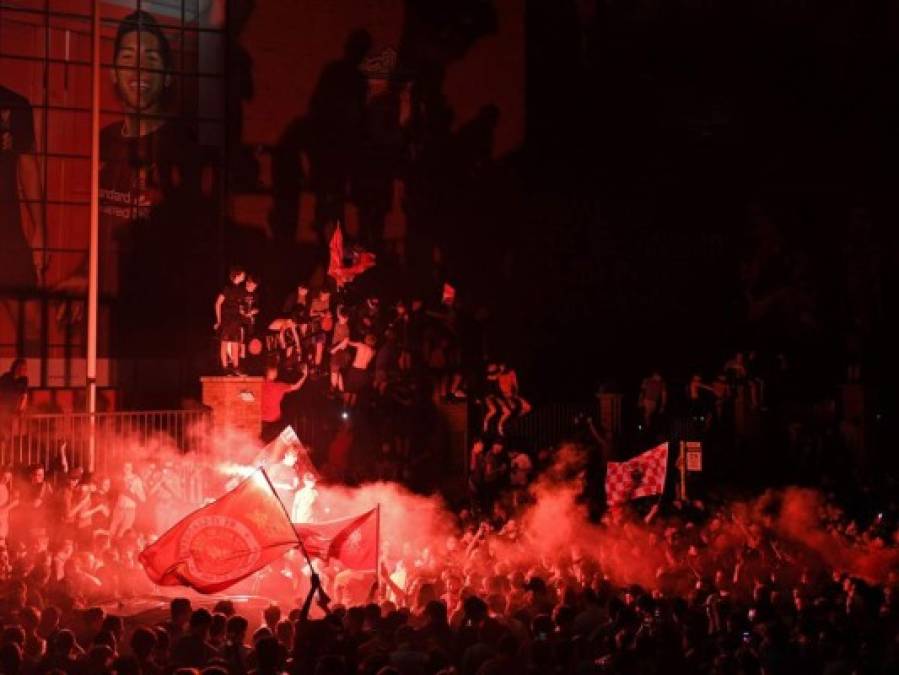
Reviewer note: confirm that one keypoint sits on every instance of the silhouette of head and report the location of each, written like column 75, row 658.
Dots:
column 357, row 46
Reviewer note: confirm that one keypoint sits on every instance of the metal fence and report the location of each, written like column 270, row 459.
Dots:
column 98, row 442
column 547, row 425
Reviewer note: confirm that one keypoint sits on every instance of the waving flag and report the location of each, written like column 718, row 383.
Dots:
column 360, row 260
column 226, row 541
column 288, row 441
column 642, row 476
column 353, row 541
column 448, row 296
column 335, row 250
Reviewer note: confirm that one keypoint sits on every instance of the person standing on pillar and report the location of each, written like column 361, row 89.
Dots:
column 229, row 322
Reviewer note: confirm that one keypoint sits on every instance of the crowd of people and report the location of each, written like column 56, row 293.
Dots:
column 361, row 344
column 341, row 363
column 664, row 586
column 787, row 584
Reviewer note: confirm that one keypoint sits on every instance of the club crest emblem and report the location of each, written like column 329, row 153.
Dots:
column 354, row 540
column 217, row 548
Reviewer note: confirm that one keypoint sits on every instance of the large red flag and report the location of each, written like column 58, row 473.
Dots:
column 353, row 541
column 641, row 476
column 226, row 541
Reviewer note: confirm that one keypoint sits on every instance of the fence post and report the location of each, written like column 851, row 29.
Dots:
column 610, row 412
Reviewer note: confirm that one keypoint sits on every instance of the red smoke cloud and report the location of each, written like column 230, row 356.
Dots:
column 554, row 526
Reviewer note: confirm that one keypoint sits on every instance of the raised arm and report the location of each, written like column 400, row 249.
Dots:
column 401, row 595
column 30, row 182
column 315, row 584
column 340, row 345
column 218, row 309
column 299, row 383
column 76, row 509
column 137, row 489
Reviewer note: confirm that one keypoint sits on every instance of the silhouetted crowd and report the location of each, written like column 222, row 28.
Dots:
column 688, row 588
column 349, row 369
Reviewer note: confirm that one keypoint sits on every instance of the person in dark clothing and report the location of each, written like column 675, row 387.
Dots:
column 22, row 252
column 155, row 231
column 249, row 312
column 13, row 395
column 229, row 322
column 193, row 650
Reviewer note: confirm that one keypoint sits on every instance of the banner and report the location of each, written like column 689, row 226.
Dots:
column 360, row 260
column 162, row 107
column 226, row 541
column 641, row 476
column 352, row 541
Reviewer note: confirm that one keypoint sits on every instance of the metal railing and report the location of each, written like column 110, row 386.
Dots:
column 547, row 425
column 98, row 442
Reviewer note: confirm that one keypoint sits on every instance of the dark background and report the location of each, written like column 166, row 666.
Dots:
column 617, row 185
column 695, row 178
column 700, row 178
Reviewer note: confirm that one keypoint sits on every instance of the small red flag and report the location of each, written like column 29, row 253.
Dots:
column 226, row 541
column 449, row 294
column 288, row 441
column 335, row 248
column 361, row 260
column 353, row 541
column 640, row 476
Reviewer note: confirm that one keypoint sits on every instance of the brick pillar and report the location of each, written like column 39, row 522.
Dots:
column 236, row 402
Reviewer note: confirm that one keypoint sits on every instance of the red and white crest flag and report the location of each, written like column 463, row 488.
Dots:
column 641, row 476
column 223, row 542
column 353, row 541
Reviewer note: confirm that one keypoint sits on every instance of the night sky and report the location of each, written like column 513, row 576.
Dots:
column 700, row 180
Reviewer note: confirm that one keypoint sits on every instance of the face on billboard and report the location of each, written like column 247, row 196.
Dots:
column 139, row 72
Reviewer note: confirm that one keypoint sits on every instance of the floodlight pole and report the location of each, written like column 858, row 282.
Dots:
column 93, row 256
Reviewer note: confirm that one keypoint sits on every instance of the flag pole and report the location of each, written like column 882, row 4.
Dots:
column 378, row 550
column 93, row 290
column 287, row 515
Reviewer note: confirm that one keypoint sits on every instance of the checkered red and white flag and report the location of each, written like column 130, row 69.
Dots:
column 641, row 476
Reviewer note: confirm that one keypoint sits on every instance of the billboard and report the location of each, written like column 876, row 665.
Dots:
column 161, row 149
